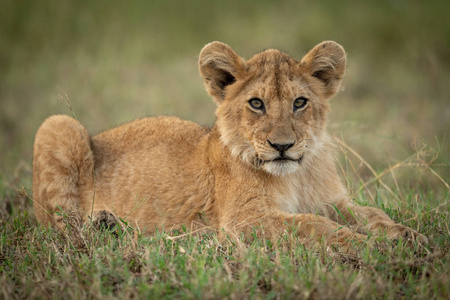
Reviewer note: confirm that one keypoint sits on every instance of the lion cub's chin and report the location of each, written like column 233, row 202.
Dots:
column 281, row 168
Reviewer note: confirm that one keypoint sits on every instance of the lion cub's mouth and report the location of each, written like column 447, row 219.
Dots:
column 283, row 158
column 280, row 161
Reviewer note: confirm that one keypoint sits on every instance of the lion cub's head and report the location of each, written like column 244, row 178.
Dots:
column 272, row 109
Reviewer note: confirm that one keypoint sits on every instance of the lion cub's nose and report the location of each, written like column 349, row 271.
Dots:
column 281, row 147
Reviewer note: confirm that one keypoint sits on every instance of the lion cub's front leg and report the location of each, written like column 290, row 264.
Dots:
column 375, row 221
column 311, row 229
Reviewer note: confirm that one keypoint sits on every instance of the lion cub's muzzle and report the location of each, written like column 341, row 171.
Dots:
column 279, row 158
column 282, row 152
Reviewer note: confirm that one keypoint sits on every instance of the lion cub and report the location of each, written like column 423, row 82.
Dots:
column 266, row 163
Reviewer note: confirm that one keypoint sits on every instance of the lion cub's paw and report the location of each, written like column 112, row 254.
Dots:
column 346, row 241
column 397, row 231
column 104, row 220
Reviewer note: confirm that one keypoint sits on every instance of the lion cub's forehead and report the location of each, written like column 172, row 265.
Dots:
column 274, row 74
column 272, row 61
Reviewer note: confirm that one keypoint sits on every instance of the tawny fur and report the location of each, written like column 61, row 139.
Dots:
column 164, row 172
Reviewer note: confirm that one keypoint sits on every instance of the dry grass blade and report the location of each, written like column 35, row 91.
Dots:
column 388, row 170
column 190, row 233
column 65, row 99
column 439, row 177
column 422, row 162
column 372, row 170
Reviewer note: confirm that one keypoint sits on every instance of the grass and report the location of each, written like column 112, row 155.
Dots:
column 119, row 61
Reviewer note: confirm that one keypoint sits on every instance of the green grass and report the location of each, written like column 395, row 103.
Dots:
column 119, row 61
column 88, row 262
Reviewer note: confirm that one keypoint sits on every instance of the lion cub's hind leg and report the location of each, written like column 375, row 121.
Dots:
column 62, row 166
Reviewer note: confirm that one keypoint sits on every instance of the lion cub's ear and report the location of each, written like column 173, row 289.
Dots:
column 219, row 66
column 326, row 62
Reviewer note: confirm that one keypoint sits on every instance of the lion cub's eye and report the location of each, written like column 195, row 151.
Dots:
column 300, row 102
column 256, row 103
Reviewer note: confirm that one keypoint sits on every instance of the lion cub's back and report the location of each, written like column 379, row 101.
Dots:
column 146, row 156
column 146, row 134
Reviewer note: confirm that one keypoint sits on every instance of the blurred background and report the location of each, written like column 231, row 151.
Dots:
column 120, row 60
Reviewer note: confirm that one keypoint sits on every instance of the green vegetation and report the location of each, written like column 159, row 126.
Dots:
column 119, row 61
column 87, row 262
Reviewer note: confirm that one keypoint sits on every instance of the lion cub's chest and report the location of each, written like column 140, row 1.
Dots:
column 294, row 195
